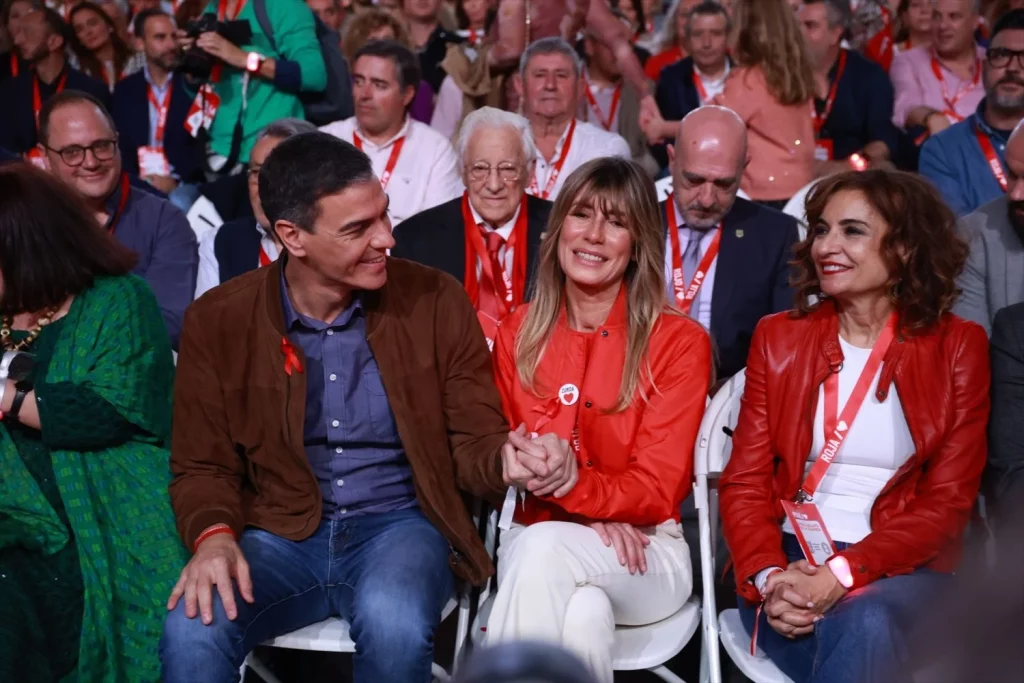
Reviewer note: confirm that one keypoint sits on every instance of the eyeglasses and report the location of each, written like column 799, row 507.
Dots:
column 74, row 155
column 1000, row 57
column 506, row 172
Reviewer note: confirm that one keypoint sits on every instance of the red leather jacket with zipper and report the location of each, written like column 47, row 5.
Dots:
column 918, row 519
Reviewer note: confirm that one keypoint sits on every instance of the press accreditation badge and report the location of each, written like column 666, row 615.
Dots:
column 203, row 110
column 153, row 162
column 810, row 531
column 823, row 150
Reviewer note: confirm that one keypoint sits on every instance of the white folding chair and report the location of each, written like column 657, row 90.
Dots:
column 713, row 449
column 332, row 635
column 796, row 207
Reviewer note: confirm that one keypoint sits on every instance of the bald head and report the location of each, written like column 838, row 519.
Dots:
column 707, row 164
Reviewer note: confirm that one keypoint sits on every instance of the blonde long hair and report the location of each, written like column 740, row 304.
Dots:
column 620, row 188
column 768, row 36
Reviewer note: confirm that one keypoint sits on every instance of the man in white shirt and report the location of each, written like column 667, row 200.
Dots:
column 549, row 84
column 416, row 165
column 494, row 225
column 245, row 244
column 726, row 259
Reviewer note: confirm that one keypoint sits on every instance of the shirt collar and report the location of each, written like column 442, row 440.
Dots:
column 401, row 133
column 505, row 230
column 149, row 78
column 707, row 79
column 114, row 200
column 984, row 127
column 294, row 320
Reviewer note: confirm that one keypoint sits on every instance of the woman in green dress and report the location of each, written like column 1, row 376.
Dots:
column 88, row 549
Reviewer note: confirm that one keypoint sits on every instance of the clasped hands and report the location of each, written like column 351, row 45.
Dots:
column 797, row 597
column 543, row 465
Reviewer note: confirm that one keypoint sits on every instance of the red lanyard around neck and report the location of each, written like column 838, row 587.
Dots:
column 557, row 169
column 951, row 102
column 161, row 109
column 837, row 425
column 121, row 203
column 389, row 168
column 510, row 290
column 37, row 98
column 686, row 293
column 608, row 122
column 989, row 151
column 830, row 100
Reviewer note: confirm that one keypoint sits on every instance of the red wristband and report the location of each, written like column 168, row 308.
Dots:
column 212, row 531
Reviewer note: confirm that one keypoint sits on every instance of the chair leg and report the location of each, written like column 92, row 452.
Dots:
column 439, row 672
column 664, row 674
column 261, row 669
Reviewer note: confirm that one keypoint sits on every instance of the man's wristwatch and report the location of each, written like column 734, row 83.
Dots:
column 253, row 62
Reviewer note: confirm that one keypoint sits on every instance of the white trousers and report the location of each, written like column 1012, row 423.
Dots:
column 559, row 583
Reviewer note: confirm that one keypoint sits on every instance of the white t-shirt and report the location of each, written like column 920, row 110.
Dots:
column 877, row 445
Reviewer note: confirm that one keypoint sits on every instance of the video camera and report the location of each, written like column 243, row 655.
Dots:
column 198, row 63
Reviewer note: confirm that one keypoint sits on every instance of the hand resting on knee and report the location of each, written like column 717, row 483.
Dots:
column 216, row 561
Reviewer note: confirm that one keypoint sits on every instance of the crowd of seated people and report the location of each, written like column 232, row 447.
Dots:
column 360, row 263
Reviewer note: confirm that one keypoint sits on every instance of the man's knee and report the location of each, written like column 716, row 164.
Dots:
column 188, row 646
column 391, row 621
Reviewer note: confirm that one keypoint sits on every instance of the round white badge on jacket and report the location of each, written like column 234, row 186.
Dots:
column 568, row 394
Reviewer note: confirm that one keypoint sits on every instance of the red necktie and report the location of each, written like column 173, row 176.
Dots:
column 492, row 284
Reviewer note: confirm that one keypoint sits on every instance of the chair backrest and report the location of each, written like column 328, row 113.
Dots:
column 713, row 444
column 796, row 207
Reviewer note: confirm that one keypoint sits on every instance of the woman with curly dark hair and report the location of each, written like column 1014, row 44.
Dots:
column 861, row 437
column 99, row 47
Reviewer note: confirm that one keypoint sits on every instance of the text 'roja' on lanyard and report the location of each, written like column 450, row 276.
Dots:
column 389, row 168
column 685, row 293
column 992, row 158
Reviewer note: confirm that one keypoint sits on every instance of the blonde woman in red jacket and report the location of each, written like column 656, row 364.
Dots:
column 598, row 365
column 865, row 414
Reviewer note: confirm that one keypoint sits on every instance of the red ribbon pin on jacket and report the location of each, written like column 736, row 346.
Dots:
column 291, row 359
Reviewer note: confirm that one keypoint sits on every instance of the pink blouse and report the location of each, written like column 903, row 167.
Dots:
column 780, row 137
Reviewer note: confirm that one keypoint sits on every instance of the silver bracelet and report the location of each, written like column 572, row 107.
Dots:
column 5, row 363
column 3, row 390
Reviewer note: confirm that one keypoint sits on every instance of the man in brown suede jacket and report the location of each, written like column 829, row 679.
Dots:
column 331, row 410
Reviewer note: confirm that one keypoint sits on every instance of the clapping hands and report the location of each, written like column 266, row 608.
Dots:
column 543, row 465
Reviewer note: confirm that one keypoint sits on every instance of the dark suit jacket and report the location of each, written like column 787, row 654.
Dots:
column 676, row 96
column 1004, row 474
column 130, row 108
column 751, row 278
column 436, row 238
column 17, row 120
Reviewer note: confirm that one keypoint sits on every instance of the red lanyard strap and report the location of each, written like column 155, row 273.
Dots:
column 37, row 98
column 121, row 203
column 161, row 108
column 553, row 178
column 992, row 158
column 837, row 426
column 698, row 83
column 819, row 119
column 606, row 123
column 510, row 290
column 686, row 293
column 389, row 168
column 951, row 102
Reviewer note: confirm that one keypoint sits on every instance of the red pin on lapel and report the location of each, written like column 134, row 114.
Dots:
column 291, row 358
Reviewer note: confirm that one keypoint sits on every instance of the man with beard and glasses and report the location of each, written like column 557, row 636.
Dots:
column 150, row 108
column 994, row 275
column 966, row 161
column 726, row 258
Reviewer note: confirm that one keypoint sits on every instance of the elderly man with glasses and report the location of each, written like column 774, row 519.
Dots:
column 488, row 238
column 78, row 143
column 967, row 161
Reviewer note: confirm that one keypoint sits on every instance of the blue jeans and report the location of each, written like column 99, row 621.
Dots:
column 862, row 639
column 386, row 574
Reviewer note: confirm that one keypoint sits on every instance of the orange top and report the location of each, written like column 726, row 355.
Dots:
column 780, row 137
column 635, row 466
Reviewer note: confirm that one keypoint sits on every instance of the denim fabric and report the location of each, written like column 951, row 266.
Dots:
column 387, row 574
column 862, row 639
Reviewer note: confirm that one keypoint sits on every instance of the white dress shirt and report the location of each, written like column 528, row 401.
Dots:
column 505, row 254
column 589, row 142
column 700, row 309
column 209, row 267
column 426, row 173
column 712, row 86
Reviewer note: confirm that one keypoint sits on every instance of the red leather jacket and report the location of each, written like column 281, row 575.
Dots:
column 635, row 466
column 918, row 519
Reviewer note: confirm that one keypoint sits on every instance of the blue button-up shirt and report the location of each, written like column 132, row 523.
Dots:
column 350, row 433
